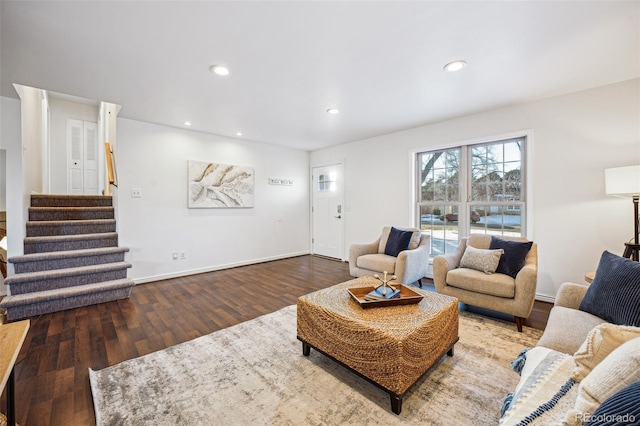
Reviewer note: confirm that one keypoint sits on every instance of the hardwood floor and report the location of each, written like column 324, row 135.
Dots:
column 52, row 380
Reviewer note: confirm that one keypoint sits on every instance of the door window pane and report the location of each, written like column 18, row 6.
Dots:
column 327, row 182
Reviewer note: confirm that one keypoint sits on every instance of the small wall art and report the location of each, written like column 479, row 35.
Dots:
column 215, row 185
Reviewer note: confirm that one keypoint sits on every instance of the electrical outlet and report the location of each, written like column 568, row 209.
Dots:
column 183, row 255
column 174, row 255
column 136, row 193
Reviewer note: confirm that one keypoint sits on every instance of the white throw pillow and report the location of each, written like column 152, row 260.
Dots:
column 617, row 371
column 600, row 342
column 482, row 260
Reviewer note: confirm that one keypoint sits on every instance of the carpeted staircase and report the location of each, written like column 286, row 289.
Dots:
column 71, row 257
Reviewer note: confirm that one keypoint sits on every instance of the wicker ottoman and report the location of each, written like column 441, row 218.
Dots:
column 392, row 347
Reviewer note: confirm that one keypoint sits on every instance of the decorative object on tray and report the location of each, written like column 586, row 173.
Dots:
column 384, row 291
column 406, row 297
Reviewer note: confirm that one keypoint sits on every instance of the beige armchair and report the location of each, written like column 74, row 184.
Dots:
column 409, row 266
column 498, row 292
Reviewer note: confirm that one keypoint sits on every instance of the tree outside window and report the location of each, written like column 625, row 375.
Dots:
column 471, row 189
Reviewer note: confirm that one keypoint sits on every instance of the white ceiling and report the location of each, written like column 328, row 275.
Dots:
column 379, row 62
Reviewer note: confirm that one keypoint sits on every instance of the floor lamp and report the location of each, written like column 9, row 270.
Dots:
column 625, row 181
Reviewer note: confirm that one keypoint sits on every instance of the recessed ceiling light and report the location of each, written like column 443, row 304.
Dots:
column 219, row 70
column 333, row 111
column 187, row 123
column 238, row 133
column 455, row 66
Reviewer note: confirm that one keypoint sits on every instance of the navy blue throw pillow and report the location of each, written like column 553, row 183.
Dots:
column 515, row 253
column 614, row 294
column 621, row 409
column 397, row 242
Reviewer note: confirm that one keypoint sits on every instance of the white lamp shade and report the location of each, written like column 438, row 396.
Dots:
column 622, row 181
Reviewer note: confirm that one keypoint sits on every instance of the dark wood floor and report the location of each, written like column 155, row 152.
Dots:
column 52, row 380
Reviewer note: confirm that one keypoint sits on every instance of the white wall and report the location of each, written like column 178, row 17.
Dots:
column 154, row 159
column 10, row 140
column 3, row 208
column 31, row 104
column 575, row 137
column 61, row 111
column 3, row 180
column 107, row 124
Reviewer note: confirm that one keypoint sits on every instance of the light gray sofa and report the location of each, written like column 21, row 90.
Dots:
column 568, row 326
column 410, row 265
column 580, row 361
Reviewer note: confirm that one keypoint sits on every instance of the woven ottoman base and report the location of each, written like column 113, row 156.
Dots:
column 391, row 347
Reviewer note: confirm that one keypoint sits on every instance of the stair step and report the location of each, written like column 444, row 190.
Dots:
column 61, row 278
column 69, row 242
column 71, row 259
column 42, row 302
column 70, row 213
column 70, row 227
column 53, row 200
column 36, row 262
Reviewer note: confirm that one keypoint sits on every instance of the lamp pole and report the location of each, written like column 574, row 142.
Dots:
column 632, row 251
column 636, row 198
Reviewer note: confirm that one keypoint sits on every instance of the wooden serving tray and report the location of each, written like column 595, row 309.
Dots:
column 407, row 297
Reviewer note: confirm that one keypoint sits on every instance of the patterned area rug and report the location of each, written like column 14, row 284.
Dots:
column 255, row 374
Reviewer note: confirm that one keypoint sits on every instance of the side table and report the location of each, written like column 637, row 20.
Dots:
column 12, row 337
column 589, row 276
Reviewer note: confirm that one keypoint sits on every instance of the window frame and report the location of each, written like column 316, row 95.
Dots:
column 466, row 203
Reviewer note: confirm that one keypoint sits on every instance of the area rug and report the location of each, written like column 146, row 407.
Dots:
column 254, row 373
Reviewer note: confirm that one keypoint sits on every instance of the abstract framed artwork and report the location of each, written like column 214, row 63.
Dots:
column 215, row 185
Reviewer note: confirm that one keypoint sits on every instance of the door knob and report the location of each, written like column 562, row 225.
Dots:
column 338, row 217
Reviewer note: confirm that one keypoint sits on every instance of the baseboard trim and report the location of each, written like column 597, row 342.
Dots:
column 545, row 298
column 144, row 280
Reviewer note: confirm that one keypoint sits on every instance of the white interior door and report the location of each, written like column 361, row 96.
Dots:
column 82, row 157
column 74, row 156
column 90, row 157
column 328, row 211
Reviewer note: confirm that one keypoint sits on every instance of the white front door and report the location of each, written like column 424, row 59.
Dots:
column 82, row 157
column 328, row 211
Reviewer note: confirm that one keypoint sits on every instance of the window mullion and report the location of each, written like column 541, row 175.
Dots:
column 465, row 192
